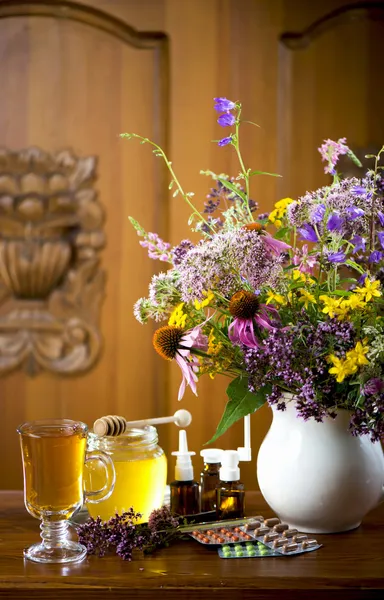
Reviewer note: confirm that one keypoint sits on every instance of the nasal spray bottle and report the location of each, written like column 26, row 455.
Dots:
column 230, row 491
column 184, row 490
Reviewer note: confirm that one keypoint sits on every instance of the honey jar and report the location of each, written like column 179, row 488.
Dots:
column 141, row 473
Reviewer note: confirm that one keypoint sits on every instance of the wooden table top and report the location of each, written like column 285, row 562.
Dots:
column 349, row 565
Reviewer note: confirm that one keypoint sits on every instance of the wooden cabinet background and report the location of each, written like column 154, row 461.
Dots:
column 65, row 83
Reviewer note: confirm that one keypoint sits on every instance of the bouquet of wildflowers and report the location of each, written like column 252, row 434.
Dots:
column 283, row 303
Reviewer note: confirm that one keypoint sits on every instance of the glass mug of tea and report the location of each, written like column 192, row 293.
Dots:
column 54, row 457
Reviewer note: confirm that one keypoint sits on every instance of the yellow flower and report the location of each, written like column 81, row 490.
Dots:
column 178, row 317
column 331, row 305
column 209, row 297
column 342, row 310
column 354, row 302
column 282, row 204
column 298, row 275
column 273, row 216
column 357, row 355
column 278, row 213
column 341, row 368
column 213, row 347
column 274, row 297
column 370, row 289
column 306, row 298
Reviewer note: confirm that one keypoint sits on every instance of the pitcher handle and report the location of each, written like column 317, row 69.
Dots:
column 103, row 493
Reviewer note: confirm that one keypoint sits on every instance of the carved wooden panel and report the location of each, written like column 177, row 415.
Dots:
column 74, row 76
column 51, row 284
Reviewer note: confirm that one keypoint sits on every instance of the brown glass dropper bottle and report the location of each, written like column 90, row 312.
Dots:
column 185, row 494
column 209, row 478
column 230, row 493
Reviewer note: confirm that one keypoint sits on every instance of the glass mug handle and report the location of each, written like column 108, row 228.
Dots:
column 103, row 493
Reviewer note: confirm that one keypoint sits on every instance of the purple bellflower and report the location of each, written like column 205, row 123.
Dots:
column 225, row 141
column 354, row 212
column 224, row 105
column 381, row 217
column 359, row 190
column 336, row 257
column 375, row 257
column 308, row 233
column 362, row 279
column 359, row 243
column 226, row 120
column 380, row 235
column 318, row 213
column 335, row 223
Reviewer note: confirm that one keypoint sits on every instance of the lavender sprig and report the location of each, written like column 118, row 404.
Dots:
column 122, row 534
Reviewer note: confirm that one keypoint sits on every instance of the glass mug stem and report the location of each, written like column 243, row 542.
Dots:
column 54, row 456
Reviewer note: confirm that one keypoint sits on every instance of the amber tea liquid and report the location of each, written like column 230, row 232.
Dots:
column 53, row 459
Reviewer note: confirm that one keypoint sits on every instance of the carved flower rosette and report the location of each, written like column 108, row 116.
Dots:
column 51, row 285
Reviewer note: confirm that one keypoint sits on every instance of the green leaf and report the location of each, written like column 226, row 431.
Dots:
column 251, row 122
column 341, row 293
column 264, row 173
column 230, row 186
column 281, row 233
column 354, row 265
column 241, row 402
column 354, row 158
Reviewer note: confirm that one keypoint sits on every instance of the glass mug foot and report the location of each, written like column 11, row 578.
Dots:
column 56, row 547
column 69, row 552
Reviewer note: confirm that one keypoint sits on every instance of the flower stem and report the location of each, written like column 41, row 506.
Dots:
column 242, row 166
column 160, row 152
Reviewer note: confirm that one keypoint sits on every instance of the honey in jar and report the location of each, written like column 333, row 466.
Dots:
column 141, row 473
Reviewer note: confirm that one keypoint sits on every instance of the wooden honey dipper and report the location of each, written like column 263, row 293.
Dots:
column 114, row 425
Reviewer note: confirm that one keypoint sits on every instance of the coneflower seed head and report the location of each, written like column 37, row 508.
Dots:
column 244, row 305
column 253, row 226
column 166, row 341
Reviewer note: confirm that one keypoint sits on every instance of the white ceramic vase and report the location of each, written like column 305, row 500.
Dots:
column 317, row 476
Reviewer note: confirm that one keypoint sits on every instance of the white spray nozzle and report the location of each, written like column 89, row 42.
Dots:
column 245, row 452
column 211, row 455
column 184, row 468
column 230, row 466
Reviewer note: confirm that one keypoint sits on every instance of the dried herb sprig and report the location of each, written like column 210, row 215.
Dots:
column 122, row 534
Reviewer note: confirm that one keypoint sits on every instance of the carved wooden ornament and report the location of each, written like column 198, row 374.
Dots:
column 51, row 284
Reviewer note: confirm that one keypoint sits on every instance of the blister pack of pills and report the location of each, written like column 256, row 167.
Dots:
column 276, row 536
column 246, row 550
